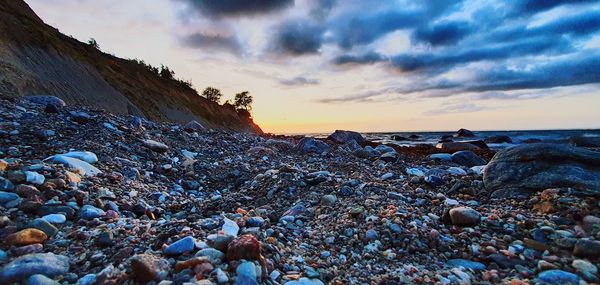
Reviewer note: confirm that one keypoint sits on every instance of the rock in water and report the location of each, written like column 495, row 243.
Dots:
column 467, row 158
column 147, row 267
column 464, row 133
column 308, row 145
column 47, row 264
column 521, row 170
column 340, row 136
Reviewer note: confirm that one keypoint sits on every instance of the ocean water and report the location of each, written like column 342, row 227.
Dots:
column 518, row 137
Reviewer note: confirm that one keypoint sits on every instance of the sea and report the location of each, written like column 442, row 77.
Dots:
column 517, row 137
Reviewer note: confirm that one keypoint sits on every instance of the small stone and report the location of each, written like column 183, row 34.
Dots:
column 147, row 267
column 215, row 256
column 6, row 197
column 587, row 248
column 467, row 264
column 245, row 247
column 255, row 222
column 467, row 158
column 105, row 239
column 39, row 279
column 557, row 277
column 27, row 249
column 221, row 276
column 34, row 178
column 181, row 246
column 155, row 146
column 47, row 264
column 26, row 236
column 371, row 234
column 305, row 281
column 586, row 268
column 464, row 216
column 329, row 200
column 45, row 226
column 55, row 218
column 89, row 212
column 219, row 241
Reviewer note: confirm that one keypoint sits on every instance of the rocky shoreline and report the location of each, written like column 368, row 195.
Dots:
column 88, row 197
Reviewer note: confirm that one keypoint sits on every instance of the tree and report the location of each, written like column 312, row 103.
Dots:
column 167, row 73
column 93, row 43
column 212, row 94
column 243, row 100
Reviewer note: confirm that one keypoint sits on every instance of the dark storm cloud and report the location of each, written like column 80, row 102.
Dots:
column 299, row 81
column 238, row 7
column 212, row 41
column 447, row 33
column 298, row 38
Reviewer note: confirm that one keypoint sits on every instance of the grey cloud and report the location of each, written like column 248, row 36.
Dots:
column 212, row 41
column 299, row 81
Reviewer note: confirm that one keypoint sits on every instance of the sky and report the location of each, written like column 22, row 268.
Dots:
column 366, row 65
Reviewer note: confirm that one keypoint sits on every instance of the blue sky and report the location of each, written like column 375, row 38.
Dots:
column 368, row 65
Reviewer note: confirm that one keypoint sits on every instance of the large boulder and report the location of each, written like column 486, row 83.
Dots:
column 46, row 100
column 464, row 133
column 498, row 139
column 467, row 158
column 456, row 146
column 524, row 169
column 340, row 136
column 308, row 145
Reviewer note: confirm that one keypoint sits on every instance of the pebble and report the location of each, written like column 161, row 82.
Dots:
column 305, row 281
column 587, row 248
column 147, row 268
column 26, row 236
column 230, row 227
column 181, row 246
column 34, row 178
column 89, row 212
column 55, row 218
column 467, row 264
column 45, row 226
column 587, row 269
column 155, row 146
column 464, row 216
column 557, row 277
column 39, row 279
column 47, row 264
column 214, row 255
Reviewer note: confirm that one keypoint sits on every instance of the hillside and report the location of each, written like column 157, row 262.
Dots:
column 36, row 59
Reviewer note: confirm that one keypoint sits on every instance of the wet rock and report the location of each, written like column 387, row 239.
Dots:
column 340, row 136
column 441, row 156
column 467, row 158
column 147, row 267
column 26, row 236
column 464, row 133
column 456, row 146
column 464, row 216
column 47, row 264
column 181, row 246
column 498, row 139
column 524, row 169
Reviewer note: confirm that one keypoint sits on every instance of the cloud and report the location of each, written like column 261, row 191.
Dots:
column 298, row 38
column 367, row 58
column 528, row 7
column 299, row 81
column 447, row 33
column 227, row 8
column 320, row 9
column 212, row 41
column 454, row 109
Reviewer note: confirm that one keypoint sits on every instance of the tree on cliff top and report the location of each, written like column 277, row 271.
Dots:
column 212, row 94
column 243, row 101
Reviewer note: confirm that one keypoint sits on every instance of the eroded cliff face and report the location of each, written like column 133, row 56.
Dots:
column 37, row 59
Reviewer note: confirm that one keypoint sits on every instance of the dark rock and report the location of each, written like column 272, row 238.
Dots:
column 477, row 143
column 456, row 146
column 48, row 209
column 245, row 247
column 105, row 239
column 51, row 108
column 585, row 141
column 498, row 139
column 147, row 267
column 340, row 136
column 587, row 248
column 399, row 138
column 464, row 216
column 524, row 169
column 467, row 158
column 155, row 146
column 506, row 262
column 193, row 126
column 308, row 145
column 464, row 133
